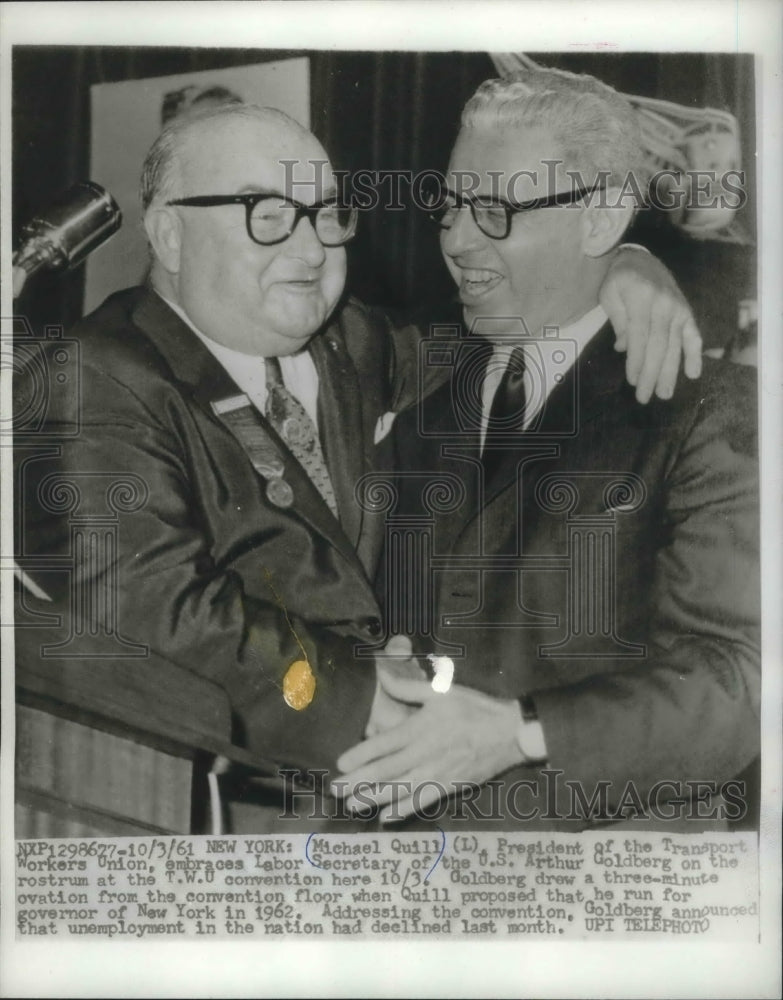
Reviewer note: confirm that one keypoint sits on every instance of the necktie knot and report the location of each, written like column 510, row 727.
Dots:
column 507, row 412
column 273, row 372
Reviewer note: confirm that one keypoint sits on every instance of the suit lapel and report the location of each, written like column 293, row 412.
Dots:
column 340, row 422
column 587, row 389
column 189, row 360
column 464, row 414
column 206, row 381
column 451, row 417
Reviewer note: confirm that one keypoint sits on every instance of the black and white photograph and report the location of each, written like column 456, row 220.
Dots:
column 391, row 542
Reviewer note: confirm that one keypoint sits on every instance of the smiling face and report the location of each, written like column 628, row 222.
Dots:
column 539, row 272
column 263, row 300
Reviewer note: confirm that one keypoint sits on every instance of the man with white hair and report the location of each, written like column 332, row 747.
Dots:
column 597, row 588
column 245, row 401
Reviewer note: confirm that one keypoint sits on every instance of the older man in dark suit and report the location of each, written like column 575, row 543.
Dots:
column 245, row 412
column 247, row 562
column 593, row 578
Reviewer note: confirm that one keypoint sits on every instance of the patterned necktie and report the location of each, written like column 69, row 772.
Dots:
column 292, row 422
column 507, row 413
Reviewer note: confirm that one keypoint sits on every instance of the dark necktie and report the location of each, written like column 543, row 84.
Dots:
column 507, row 413
column 294, row 425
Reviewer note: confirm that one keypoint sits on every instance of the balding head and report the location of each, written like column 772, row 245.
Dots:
column 177, row 144
column 257, row 298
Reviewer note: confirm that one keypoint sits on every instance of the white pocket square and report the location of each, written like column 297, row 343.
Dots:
column 383, row 426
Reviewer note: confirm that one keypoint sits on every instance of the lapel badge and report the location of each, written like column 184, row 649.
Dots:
column 238, row 414
column 279, row 492
column 229, row 404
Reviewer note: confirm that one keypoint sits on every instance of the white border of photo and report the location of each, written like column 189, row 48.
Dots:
column 304, row 967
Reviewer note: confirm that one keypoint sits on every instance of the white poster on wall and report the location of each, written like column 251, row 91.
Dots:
column 127, row 116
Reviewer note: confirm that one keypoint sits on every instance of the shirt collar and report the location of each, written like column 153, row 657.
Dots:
column 248, row 371
column 581, row 331
column 227, row 356
column 585, row 328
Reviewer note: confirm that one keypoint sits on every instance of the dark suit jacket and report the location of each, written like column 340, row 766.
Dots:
column 205, row 570
column 609, row 569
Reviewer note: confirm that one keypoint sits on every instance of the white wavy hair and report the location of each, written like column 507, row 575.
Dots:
column 595, row 127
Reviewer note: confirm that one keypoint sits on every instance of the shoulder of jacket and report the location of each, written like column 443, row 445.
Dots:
column 724, row 387
column 353, row 312
column 365, row 330
column 111, row 342
column 721, row 403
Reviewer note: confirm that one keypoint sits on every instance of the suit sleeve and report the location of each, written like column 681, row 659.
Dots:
column 690, row 710
column 412, row 374
column 164, row 589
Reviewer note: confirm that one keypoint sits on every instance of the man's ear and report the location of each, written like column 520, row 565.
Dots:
column 164, row 231
column 604, row 222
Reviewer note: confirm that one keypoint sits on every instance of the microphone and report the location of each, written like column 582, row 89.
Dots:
column 61, row 237
column 67, row 232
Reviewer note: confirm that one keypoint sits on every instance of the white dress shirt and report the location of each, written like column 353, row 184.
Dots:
column 249, row 371
column 547, row 359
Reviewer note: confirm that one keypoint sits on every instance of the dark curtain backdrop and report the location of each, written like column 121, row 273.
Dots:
column 374, row 111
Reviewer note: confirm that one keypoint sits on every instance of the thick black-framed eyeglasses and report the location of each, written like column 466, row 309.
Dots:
column 272, row 218
column 493, row 216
